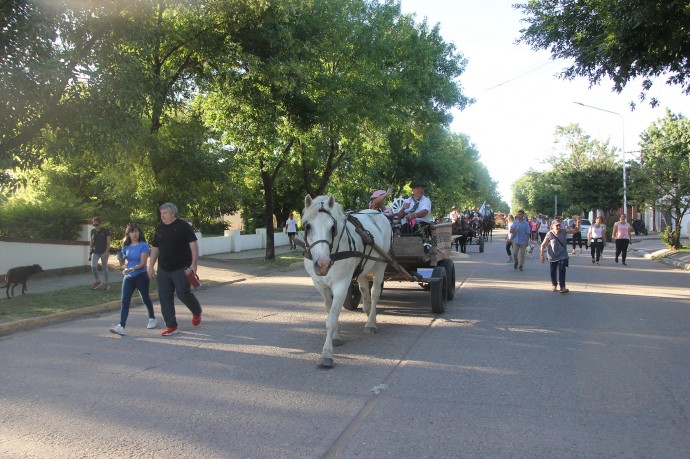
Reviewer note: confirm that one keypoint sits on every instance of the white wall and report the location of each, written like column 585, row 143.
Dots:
column 48, row 255
column 58, row 255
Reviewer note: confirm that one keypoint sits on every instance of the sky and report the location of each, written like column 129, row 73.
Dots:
column 519, row 98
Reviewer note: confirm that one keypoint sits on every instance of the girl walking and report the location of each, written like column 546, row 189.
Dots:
column 135, row 252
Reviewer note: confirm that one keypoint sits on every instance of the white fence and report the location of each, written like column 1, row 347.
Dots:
column 73, row 255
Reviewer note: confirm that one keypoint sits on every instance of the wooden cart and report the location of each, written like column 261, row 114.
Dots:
column 426, row 264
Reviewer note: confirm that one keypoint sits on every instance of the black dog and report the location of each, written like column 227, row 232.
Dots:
column 20, row 275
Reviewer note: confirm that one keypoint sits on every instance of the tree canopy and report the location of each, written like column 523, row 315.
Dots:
column 584, row 174
column 220, row 105
column 618, row 39
column 662, row 176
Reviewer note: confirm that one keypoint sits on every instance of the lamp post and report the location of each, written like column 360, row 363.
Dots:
column 625, row 187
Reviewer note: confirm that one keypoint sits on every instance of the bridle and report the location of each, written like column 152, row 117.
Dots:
column 334, row 233
column 352, row 245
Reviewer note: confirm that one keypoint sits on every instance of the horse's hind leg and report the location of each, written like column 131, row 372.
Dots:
column 371, row 299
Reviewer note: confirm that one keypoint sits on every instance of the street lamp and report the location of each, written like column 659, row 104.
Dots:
column 625, row 188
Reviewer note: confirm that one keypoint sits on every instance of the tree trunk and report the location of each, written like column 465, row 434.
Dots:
column 268, row 205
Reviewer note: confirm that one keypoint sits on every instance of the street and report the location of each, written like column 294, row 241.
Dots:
column 512, row 369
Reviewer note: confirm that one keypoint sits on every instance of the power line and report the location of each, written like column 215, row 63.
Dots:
column 518, row 76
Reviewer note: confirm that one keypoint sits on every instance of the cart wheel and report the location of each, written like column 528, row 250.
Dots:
column 353, row 297
column 481, row 244
column 439, row 290
column 449, row 266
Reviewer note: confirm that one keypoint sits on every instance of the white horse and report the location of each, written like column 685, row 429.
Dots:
column 334, row 251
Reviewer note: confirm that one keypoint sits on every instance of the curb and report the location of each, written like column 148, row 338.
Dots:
column 662, row 256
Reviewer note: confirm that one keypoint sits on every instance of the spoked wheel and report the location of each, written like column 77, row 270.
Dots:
column 481, row 244
column 353, row 297
column 439, row 290
column 449, row 266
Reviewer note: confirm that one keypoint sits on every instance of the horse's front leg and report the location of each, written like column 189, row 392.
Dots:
column 332, row 330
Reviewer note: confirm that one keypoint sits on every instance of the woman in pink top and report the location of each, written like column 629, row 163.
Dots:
column 621, row 234
column 533, row 228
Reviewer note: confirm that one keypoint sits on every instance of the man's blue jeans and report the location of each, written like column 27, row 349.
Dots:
column 170, row 282
column 141, row 282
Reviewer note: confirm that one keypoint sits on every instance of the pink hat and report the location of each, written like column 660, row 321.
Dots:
column 378, row 193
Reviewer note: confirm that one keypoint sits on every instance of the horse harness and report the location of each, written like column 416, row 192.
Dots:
column 367, row 240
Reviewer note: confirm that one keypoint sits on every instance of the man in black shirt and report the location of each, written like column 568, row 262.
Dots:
column 176, row 249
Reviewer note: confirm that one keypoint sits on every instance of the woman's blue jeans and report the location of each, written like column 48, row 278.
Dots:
column 129, row 284
column 558, row 272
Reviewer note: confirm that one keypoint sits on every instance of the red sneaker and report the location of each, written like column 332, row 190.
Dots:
column 169, row 331
column 196, row 320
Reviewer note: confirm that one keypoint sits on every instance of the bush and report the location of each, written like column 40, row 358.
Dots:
column 22, row 219
column 212, row 227
column 671, row 238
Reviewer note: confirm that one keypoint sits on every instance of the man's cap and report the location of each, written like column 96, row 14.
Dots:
column 417, row 183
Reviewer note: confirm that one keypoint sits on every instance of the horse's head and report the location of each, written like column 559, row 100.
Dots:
column 320, row 218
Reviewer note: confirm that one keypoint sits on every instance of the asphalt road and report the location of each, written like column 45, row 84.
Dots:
column 511, row 369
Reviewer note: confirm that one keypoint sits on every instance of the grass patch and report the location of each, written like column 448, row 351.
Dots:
column 46, row 303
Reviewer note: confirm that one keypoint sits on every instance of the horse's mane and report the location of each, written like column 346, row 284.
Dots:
column 322, row 201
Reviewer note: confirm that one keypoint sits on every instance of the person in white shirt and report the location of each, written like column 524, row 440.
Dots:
column 597, row 236
column 416, row 210
column 291, row 228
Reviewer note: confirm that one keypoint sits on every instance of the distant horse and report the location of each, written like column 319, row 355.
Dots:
column 488, row 223
column 336, row 252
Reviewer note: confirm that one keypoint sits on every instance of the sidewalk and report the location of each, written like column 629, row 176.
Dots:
column 650, row 246
column 228, row 268
column 220, row 269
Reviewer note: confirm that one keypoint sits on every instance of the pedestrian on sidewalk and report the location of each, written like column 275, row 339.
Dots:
column 621, row 234
column 176, row 250
column 291, row 228
column 99, row 249
column 597, row 236
column 557, row 254
column 135, row 253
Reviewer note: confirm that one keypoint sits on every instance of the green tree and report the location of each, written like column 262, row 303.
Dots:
column 536, row 193
column 587, row 173
column 663, row 176
column 621, row 40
